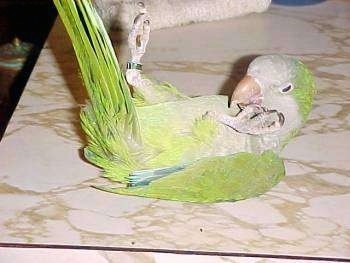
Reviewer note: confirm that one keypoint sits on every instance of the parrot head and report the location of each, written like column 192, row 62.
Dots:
column 282, row 83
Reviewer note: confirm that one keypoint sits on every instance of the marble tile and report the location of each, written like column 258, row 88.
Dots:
column 45, row 193
column 42, row 255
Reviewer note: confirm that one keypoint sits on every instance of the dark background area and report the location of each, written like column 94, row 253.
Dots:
column 30, row 21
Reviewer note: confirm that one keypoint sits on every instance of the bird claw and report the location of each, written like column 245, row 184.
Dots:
column 253, row 119
column 139, row 36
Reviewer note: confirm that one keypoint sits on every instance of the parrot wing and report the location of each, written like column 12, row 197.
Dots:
column 109, row 120
column 226, row 178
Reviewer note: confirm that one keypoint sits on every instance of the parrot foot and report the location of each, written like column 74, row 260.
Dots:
column 139, row 36
column 146, row 90
column 253, row 119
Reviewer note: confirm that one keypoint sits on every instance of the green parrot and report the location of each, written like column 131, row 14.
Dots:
column 163, row 144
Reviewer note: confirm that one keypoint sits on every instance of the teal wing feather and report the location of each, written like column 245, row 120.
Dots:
column 109, row 120
column 227, row 178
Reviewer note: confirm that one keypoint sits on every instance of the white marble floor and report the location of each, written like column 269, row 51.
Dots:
column 45, row 193
column 43, row 255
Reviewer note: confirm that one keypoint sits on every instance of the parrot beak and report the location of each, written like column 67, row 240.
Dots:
column 248, row 91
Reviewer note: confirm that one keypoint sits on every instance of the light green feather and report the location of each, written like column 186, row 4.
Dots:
column 304, row 90
column 303, row 93
column 175, row 132
column 109, row 120
column 163, row 91
column 228, row 178
column 205, row 130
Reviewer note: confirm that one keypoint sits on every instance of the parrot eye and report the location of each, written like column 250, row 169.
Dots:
column 286, row 88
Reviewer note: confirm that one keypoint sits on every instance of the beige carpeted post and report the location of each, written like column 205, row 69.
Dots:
column 169, row 13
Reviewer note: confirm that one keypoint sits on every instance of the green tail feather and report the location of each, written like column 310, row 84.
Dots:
column 109, row 120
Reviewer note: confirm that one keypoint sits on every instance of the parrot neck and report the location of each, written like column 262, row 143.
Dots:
column 287, row 105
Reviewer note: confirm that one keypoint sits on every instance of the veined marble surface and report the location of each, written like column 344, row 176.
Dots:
column 41, row 255
column 45, row 193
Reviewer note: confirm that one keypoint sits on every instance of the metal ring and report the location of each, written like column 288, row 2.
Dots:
column 133, row 65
